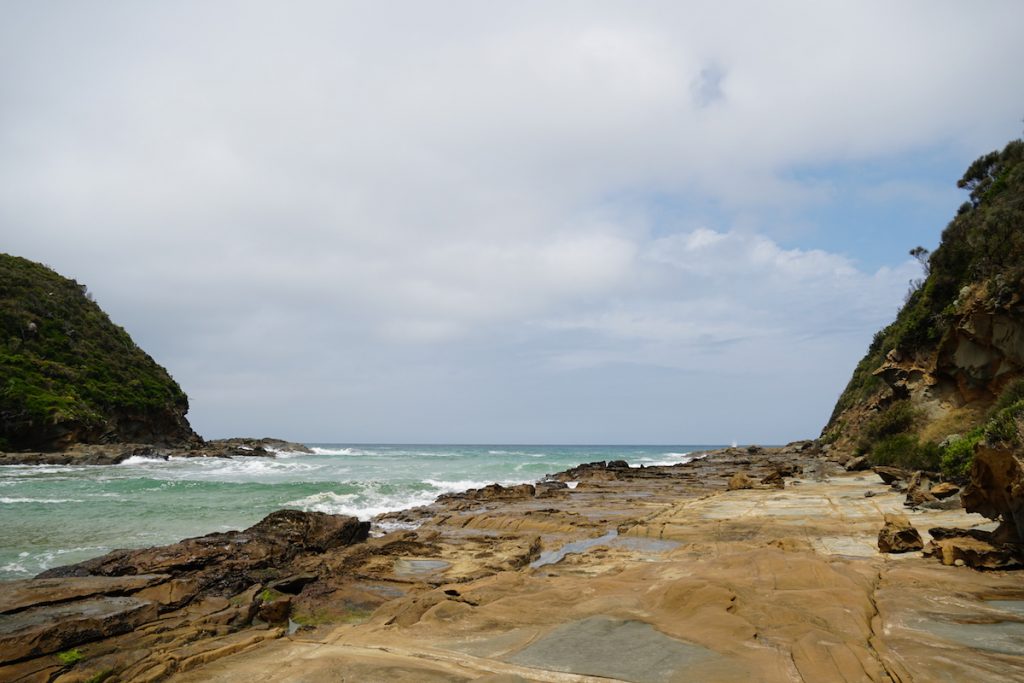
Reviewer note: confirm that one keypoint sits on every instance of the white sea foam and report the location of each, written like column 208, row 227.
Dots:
column 33, row 563
column 289, row 454
column 465, row 484
column 12, row 501
column 526, row 453
column 667, row 460
column 136, row 460
column 337, row 451
column 377, row 497
column 364, row 505
column 386, row 527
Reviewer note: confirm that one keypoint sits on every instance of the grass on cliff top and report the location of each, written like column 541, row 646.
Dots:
column 63, row 361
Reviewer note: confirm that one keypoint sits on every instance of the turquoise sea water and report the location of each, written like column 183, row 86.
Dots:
column 53, row 515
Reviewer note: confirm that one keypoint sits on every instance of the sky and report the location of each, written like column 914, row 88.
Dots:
column 494, row 222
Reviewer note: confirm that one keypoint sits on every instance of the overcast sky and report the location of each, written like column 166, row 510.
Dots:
column 550, row 222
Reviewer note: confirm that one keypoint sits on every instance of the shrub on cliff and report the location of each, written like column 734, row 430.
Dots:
column 977, row 268
column 68, row 374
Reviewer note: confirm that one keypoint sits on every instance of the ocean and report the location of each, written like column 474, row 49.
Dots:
column 56, row 515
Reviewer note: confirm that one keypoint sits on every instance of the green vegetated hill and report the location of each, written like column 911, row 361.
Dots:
column 948, row 373
column 69, row 375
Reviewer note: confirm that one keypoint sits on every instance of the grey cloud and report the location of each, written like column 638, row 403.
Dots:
column 346, row 221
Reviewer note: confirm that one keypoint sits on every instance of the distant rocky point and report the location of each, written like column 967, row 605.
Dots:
column 112, row 454
column 75, row 388
column 70, row 376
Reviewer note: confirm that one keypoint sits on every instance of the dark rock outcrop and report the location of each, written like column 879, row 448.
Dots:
column 206, row 587
column 227, row 563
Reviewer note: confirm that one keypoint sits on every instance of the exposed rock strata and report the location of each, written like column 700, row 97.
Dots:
column 133, row 607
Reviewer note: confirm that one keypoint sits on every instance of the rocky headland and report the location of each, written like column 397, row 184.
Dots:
column 759, row 564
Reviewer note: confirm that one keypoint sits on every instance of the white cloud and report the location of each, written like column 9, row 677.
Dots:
column 388, row 197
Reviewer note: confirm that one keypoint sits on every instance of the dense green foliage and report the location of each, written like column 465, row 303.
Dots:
column 958, row 454
column 887, row 439
column 983, row 243
column 896, row 419
column 62, row 362
column 906, row 451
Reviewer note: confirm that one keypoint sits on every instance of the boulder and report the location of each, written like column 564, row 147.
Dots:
column 274, row 608
column 945, row 490
column 545, row 489
column 972, row 548
column 774, row 479
column 857, row 464
column 890, row 475
column 898, row 536
column 790, row 469
column 740, row 480
column 996, row 490
column 918, row 490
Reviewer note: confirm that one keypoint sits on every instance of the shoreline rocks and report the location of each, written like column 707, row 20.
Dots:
column 206, row 587
column 116, row 453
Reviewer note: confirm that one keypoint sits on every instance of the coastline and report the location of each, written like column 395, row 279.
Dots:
column 747, row 584
column 116, row 453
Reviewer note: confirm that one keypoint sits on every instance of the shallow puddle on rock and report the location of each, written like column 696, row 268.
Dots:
column 1015, row 607
column 419, row 568
column 554, row 556
column 1006, row 636
column 645, row 545
column 625, row 650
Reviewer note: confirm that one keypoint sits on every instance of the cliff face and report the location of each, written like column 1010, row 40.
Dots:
column 936, row 382
column 69, row 375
